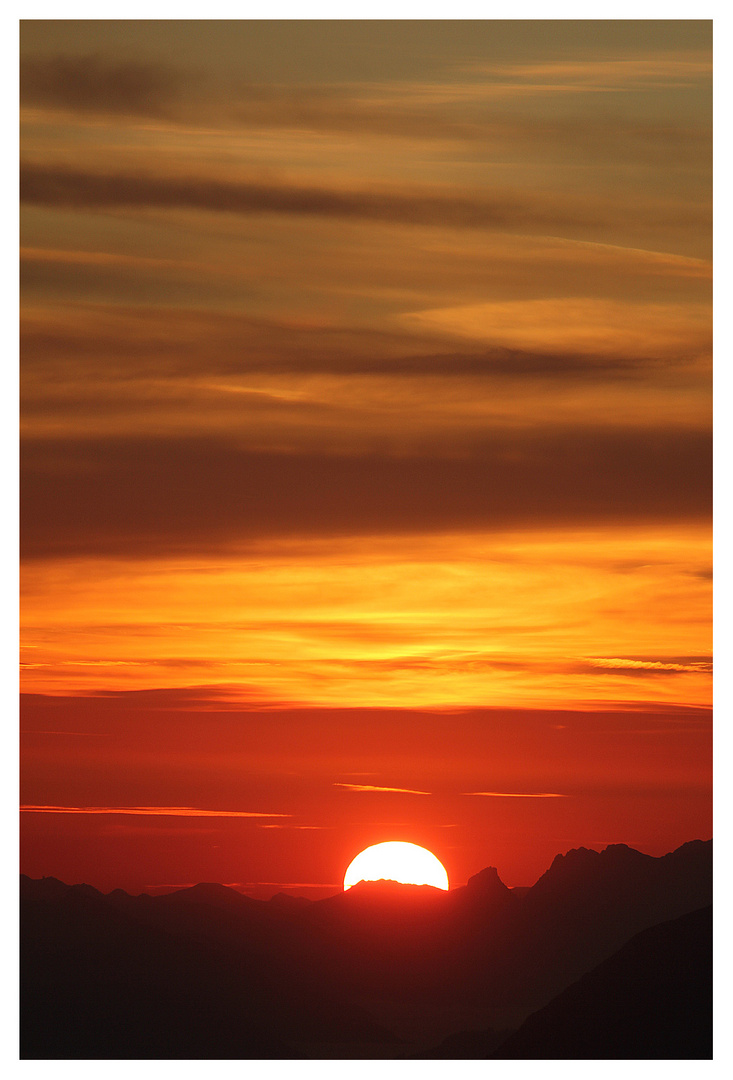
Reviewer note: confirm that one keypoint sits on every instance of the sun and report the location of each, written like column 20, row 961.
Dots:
column 397, row 861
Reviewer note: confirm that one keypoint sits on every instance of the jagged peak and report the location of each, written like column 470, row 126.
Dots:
column 487, row 880
column 576, row 854
column 53, row 888
column 587, row 856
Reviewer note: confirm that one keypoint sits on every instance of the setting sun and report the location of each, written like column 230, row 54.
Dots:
column 397, row 861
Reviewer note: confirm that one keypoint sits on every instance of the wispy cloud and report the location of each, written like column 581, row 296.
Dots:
column 590, row 326
column 51, row 185
column 289, row 826
column 280, row 884
column 663, row 667
column 148, row 811
column 518, row 794
column 602, row 74
column 377, row 787
column 85, row 87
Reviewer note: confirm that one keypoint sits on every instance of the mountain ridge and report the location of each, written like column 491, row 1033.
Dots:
column 371, row 965
column 479, row 879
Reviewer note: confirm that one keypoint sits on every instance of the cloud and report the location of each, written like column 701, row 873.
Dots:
column 305, row 828
column 376, row 787
column 470, row 110
column 588, row 326
column 97, row 84
column 518, row 794
column 138, row 345
column 148, row 496
column 148, row 811
column 202, row 698
column 472, row 660
column 51, row 185
column 601, row 73
column 665, row 666
column 280, row 884
column 475, row 113
column 60, row 187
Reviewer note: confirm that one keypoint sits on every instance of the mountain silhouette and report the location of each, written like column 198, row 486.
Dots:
column 584, row 908
column 487, row 883
column 381, row 970
column 209, row 893
column 164, row 977
column 652, row 999
column 385, row 892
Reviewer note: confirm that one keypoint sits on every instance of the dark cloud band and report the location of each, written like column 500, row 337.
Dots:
column 49, row 185
column 147, row 496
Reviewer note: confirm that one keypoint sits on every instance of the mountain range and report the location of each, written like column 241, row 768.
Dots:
column 608, row 955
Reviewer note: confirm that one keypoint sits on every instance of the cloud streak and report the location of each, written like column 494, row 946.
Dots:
column 377, row 787
column 54, row 186
column 518, row 794
column 148, row 811
column 166, row 348
column 624, row 666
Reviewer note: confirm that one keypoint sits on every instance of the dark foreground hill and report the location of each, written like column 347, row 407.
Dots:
column 652, row 999
column 382, row 970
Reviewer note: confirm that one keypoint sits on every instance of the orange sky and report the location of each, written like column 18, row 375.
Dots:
column 366, row 408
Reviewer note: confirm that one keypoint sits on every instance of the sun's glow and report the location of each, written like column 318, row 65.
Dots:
column 395, row 860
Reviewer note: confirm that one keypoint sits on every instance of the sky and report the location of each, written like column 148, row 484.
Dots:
column 366, row 445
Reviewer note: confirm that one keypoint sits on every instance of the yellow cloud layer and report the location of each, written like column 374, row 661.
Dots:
column 459, row 619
